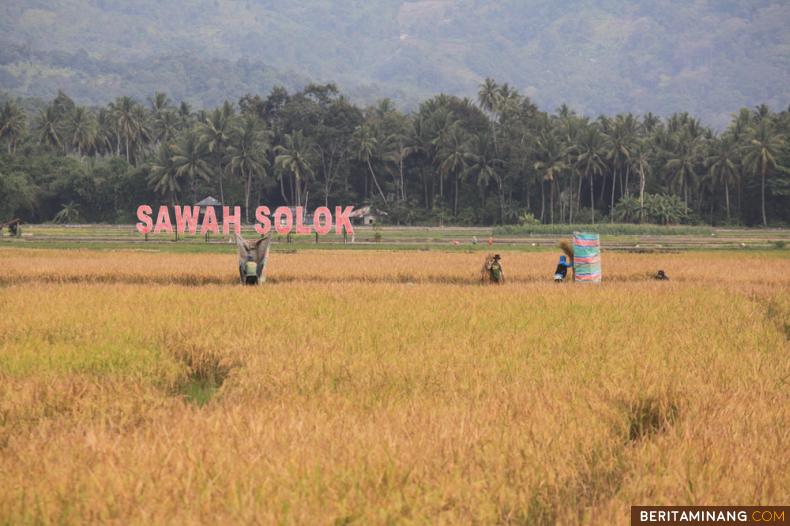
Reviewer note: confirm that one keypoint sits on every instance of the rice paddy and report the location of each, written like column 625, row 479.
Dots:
column 379, row 387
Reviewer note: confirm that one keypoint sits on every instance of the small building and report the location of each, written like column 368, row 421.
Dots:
column 366, row 216
column 210, row 202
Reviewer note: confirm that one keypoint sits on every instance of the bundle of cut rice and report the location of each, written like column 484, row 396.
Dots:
column 568, row 249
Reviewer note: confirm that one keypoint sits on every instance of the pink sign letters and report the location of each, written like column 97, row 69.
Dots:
column 284, row 220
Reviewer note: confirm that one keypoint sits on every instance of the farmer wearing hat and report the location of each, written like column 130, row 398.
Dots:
column 493, row 269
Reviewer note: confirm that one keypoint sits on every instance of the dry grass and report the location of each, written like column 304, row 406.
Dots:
column 388, row 387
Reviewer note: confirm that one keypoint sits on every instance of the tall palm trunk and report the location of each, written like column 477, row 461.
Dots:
column 623, row 191
column 570, row 199
column 740, row 194
column 542, row 200
column 529, row 197
column 603, row 188
column 282, row 190
column 501, row 192
column 641, row 195
column 625, row 187
column 402, row 180
column 247, row 191
column 762, row 192
column 455, row 198
column 375, row 181
column 297, row 185
column 611, row 205
column 592, row 197
column 727, row 199
column 221, row 190
column 425, row 188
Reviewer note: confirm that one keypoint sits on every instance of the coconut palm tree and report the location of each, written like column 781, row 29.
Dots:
column 160, row 103
column 69, row 213
column 143, row 135
column 49, row 127
column 365, row 145
column 682, row 164
column 216, row 132
column 104, row 132
column 82, row 130
column 761, row 112
column 650, row 121
column 164, row 126
column 246, row 155
column 295, row 157
column 570, row 126
column 191, row 160
column 619, row 141
column 641, row 160
column 722, row 166
column 760, row 154
column 508, row 102
column 484, row 167
column 441, row 125
column 589, row 159
column 551, row 164
column 454, row 158
column 488, row 96
column 127, row 122
column 12, row 124
column 163, row 175
column 185, row 113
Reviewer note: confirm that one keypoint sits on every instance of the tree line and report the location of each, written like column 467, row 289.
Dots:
column 495, row 160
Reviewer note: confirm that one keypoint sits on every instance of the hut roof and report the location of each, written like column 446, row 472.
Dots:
column 208, row 201
column 367, row 211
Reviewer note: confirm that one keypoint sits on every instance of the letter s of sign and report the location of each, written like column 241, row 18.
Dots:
column 262, row 217
column 144, row 215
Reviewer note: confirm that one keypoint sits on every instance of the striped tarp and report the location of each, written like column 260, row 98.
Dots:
column 587, row 257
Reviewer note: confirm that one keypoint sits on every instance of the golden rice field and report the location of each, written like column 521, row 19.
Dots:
column 388, row 388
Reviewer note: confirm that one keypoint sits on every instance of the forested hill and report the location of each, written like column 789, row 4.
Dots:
column 601, row 56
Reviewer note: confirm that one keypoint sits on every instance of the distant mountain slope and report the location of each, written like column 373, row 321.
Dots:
column 706, row 57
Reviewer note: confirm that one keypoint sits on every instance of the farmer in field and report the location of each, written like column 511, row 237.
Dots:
column 492, row 271
column 14, row 228
column 252, row 259
column 249, row 271
column 562, row 270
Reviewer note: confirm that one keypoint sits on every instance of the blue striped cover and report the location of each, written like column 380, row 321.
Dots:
column 587, row 257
